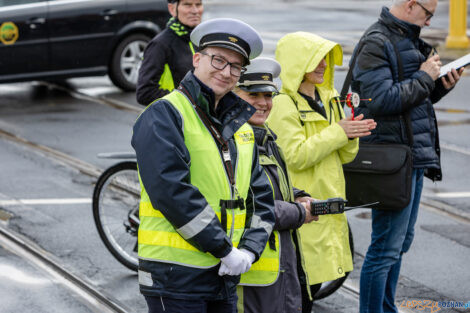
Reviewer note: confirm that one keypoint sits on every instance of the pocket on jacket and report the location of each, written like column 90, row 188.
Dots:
column 310, row 116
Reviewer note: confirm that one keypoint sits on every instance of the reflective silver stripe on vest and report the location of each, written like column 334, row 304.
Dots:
column 256, row 222
column 197, row 224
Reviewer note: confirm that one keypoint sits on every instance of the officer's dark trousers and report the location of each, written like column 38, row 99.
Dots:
column 168, row 305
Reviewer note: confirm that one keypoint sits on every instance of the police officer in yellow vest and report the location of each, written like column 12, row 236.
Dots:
column 206, row 206
column 169, row 55
column 272, row 284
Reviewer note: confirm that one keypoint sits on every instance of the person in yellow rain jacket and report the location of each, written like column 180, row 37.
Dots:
column 317, row 139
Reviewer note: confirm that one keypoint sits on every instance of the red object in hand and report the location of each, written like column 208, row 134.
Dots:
column 353, row 100
column 349, row 103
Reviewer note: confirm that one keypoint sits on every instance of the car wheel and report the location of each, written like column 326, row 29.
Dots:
column 126, row 61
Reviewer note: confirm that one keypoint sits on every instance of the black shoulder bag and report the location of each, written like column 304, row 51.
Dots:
column 380, row 172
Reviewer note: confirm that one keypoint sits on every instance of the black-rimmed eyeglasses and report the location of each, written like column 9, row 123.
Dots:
column 220, row 63
column 429, row 14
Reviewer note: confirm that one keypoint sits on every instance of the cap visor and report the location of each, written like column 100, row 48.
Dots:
column 233, row 48
column 258, row 88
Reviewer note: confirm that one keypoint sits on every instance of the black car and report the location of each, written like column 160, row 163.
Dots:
column 57, row 39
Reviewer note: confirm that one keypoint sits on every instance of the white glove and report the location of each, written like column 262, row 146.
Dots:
column 223, row 270
column 236, row 262
column 251, row 256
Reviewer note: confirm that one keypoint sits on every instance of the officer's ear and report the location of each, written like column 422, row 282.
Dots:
column 172, row 8
column 196, row 59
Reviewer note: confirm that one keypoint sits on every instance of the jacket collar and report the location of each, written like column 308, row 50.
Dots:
column 399, row 26
column 260, row 133
column 232, row 112
column 302, row 103
column 263, row 136
column 179, row 28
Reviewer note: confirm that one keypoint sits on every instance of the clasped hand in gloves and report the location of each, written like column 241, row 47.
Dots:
column 236, row 262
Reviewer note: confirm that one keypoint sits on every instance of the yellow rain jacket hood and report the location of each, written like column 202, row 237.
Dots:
column 315, row 149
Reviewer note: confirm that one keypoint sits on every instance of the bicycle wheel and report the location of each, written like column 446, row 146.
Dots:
column 330, row 287
column 116, row 211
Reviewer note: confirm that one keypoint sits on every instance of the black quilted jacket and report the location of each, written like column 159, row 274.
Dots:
column 376, row 76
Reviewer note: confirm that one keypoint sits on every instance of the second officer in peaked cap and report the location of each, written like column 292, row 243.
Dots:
column 265, row 288
column 196, row 142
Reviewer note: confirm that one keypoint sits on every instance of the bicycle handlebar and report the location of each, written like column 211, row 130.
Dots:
column 117, row 155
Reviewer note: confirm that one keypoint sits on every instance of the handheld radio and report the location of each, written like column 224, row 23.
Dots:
column 329, row 206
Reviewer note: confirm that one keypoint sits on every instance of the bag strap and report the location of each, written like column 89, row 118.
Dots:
column 348, row 79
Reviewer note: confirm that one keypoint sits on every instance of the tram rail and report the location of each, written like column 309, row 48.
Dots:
column 91, row 296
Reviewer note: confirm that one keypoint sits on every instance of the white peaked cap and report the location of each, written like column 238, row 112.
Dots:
column 228, row 33
column 260, row 75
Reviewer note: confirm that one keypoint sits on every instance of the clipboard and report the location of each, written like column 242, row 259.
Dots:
column 460, row 62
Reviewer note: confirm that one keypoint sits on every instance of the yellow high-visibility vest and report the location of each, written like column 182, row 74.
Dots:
column 166, row 80
column 157, row 238
column 265, row 272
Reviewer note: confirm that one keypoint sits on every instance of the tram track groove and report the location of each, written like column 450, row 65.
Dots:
column 69, row 160
column 100, row 100
column 94, row 298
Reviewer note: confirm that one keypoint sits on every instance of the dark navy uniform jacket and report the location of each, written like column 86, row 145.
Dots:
column 164, row 162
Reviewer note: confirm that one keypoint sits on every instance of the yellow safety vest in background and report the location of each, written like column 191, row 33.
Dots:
column 157, row 238
column 166, row 80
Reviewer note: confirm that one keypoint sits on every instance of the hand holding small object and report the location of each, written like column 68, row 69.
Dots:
column 432, row 66
column 305, row 201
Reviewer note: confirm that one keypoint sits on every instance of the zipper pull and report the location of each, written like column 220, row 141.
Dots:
column 226, row 155
column 236, row 195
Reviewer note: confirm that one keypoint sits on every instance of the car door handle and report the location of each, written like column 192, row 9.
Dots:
column 36, row 20
column 109, row 12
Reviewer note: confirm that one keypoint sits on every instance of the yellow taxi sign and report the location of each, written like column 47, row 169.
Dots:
column 8, row 33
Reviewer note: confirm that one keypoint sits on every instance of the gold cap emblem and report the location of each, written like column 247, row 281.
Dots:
column 265, row 77
column 233, row 39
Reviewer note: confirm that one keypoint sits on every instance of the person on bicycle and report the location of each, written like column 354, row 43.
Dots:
column 275, row 289
column 207, row 208
column 168, row 56
column 316, row 140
